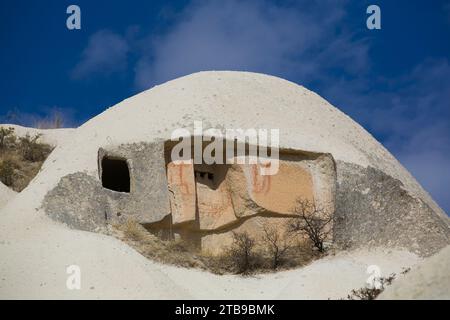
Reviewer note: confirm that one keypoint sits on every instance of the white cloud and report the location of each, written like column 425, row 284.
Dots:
column 105, row 53
column 292, row 41
column 412, row 114
column 309, row 43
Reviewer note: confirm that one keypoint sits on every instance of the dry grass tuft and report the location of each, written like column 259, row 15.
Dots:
column 241, row 258
column 170, row 252
column 133, row 230
column 20, row 158
column 371, row 293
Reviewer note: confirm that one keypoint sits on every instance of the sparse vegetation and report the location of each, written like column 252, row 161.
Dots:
column 32, row 150
column 7, row 137
column 20, row 158
column 405, row 270
column 170, row 252
column 242, row 253
column 371, row 293
column 313, row 221
column 133, row 230
column 277, row 245
column 7, row 171
column 245, row 256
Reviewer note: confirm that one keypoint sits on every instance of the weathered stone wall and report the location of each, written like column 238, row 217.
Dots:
column 372, row 209
column 148, row 200
column 80, row 201
column 214, row 243
column 219, row 199
column 181, row 184
column 202, row 203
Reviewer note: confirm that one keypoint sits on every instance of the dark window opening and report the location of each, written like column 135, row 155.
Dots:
column 204, row 175
column 115, row 174
column 205, row 178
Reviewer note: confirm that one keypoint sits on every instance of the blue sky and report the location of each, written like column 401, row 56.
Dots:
column 394, row 81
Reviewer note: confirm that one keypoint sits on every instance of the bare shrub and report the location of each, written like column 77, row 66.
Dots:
column 20, row 158
column 217, row 264
column 276, row 244
column 242, row 252
column 371, row 293
column 32, row 150
column 313, row 221
column 7, row 171
column 405, row 270
column 242, row 257
column 7, row 137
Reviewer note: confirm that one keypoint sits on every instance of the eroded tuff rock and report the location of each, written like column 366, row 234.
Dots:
column 204, row 204
column 373, row 208
column 429, row 279
column 325, row 157
column 6, row 194
column 201, row 203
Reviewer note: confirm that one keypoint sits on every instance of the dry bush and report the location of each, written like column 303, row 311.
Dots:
column 371, row 293
column 7, row 137
column 7, row 171
column 242, row 253
column 405, row 270
column 313, row 221
column 246, row 258
column 277, row 244
column 32, row 150
column 20, row 159
column 133, row 230
column 173, row 252
column 24, row 173
column 217, row 264
column 242, row 257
